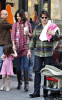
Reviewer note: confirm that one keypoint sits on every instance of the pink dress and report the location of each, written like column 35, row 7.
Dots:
column 7, row 66
column 51, row 27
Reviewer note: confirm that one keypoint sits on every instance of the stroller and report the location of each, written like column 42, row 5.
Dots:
column 53, row 80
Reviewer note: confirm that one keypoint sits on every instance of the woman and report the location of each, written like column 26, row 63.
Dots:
column 19, row 39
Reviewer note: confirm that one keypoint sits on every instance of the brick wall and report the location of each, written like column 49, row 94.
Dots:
column 14, row 5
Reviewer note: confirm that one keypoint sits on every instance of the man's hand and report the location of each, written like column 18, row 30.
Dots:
column 29, row 54
column 51, row 32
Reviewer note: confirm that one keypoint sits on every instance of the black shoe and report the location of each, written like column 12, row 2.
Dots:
column 0, row 76
column 45, row 95
column 34, row 95
column 26, row 87
column 19, row 86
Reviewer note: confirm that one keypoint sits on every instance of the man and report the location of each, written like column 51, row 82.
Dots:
column 31, row 60
column 5, row 37
column 43, row 52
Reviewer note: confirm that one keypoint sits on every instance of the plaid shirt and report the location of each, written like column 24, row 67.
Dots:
column 24, row 49
column 42, row 48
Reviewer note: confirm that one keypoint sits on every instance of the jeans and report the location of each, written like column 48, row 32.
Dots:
column 1, row 53
column 18, row 62
column 30, row 65
column 38, row 66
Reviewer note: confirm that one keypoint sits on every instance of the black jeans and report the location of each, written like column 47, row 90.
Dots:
column 38, row 66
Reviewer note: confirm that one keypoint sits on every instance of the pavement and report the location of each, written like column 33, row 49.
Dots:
column 15, row 94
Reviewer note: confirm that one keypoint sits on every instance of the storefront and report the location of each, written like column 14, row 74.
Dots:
column 2, row 4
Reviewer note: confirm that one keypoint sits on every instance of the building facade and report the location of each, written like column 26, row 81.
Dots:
column 14, row 5
column 56, row 6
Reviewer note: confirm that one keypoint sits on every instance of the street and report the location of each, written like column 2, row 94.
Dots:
column 15, row 94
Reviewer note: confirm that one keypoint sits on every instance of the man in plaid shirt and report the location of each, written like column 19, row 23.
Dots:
column 43, row 52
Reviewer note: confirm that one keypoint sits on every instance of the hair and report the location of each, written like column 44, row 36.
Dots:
column 7, row 49
column 44, row 12
column 21, row 14
column 27, row 12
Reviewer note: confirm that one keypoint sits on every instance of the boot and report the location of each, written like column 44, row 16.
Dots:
column 26, row 76
column 19, row 80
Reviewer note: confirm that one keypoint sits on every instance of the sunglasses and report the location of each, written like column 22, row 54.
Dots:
column 44, row 17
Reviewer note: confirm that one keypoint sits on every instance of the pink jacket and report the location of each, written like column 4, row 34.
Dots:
column 51, row 27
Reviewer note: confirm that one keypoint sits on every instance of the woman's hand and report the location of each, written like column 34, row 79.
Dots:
column 26, row 32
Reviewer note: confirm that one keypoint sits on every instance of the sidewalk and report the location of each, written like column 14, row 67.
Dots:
column 15, row 94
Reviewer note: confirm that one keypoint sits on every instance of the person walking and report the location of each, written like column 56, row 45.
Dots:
column 5, row 36
column 31, row 60
column 43, row 51
column 7, row 66
column 21, row 30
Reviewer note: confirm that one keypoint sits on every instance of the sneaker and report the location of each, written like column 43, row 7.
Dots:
column 22, row 78
column 2, row 88
column 30, row 79
column 7, row 89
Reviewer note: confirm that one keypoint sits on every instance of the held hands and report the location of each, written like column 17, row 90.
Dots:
column 29, row 54
column 3, row 57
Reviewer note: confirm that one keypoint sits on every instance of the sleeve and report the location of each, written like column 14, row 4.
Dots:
column 57, row 35
column 33, row 40
column 13, row 32
column 30, row 29
column 6, row 25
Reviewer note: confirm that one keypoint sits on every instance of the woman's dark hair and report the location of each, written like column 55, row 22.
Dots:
column 7, row 49
column 21, row 14
column 44, row 12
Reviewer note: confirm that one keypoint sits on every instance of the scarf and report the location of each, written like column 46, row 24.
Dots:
column 19, row 38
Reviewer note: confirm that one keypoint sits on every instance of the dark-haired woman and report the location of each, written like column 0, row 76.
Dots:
column 21, row 30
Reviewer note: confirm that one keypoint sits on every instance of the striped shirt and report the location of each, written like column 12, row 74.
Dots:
column 42, row 48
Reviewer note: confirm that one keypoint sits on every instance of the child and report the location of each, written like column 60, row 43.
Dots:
column 7, row 66
column 48, row 27
column 49, row 31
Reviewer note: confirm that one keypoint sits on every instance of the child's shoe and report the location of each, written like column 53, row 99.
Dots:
column 7, row 89
column 2, row 88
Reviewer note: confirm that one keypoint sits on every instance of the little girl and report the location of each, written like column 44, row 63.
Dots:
column 7, row 66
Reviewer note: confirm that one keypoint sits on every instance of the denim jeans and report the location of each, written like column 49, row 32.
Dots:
column 30, row 65
column 1, row 53
column 38, row 66
column 18, row 62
